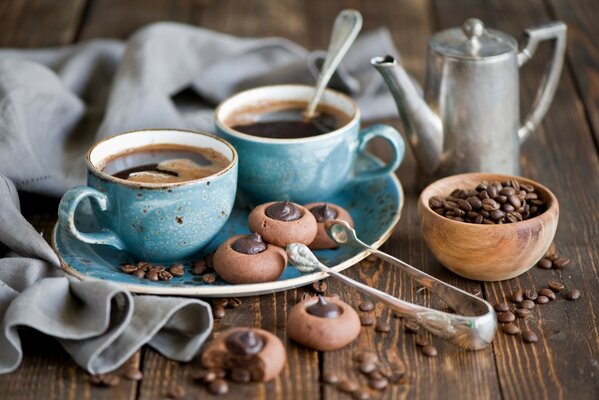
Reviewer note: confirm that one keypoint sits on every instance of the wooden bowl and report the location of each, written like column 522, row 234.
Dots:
column 487, row 252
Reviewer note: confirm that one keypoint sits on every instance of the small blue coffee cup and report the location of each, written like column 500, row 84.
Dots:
column 304, row 169
column 154, row 222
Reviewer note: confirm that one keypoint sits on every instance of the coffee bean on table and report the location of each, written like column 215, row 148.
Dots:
column 378, row 384
column 233, row 302
column 530, row 294
column 547, row 293
column 330, row 377
column 165, row 276
column 218, row 387
column 177, row 270
column 561, row 263
column 366, row 306
column 347, row 386
column 506, row 317
column 527, row 304
column 556, row 286
column 511, row 329
column 421, row 341
column 209, row 278
column 220, row 302
column 366, row 320
column 529, row 336
column 152, row 275
column 176, row 392
column 129, row 268
column 139, row 274
column 367, row 367
column 429, row 351
column 199, row 267
column 218, row 312
column 501, row 307
column 522, row 313
column 542, row 300
column 320, row 287
column 573, row 294
column 382, row 326
column 517, row 297
column 367, row 357
column 240, row 375
column 545, row 263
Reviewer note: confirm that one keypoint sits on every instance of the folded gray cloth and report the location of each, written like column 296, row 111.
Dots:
column 55, row 102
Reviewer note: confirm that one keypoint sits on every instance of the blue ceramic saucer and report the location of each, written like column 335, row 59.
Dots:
column 374, row 205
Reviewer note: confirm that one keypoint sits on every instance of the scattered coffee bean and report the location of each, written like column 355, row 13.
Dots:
column 220, row 302
column 129, row 268
column 157, row 268
column 522, row 313
column 545, row 263
column 366, row 306
column 205, row 376
column 547, row 293
column 561, row 262
column 477, row 292
column 320, row 287
column 367, row 367
column 530, row 294
column 240, row 375
column 556, row 286
column 511, row 329
column 542, row 300
column 376, row 374
column 506, row 317
column 218, row 312
column 517, row 297
column 527, row 304
column 177, row 270
column 165, row 276
column 366, row 320
column 421, row 341
column 501, row 307
column 382, row 326
column 199, row 267
column 152, row 275
column 411, row 326
column 139, row 274
column 573, row 294
column 378, row 384
column 233, row 302
column 330, row 377
column 361, row 394
column 209, row 278
column 529, row 336
column 133, row 374
column 143, row 265
column 105, row 379
column 218, row 387
column 347, row 386
column 367, row 357
column 429, row 351
column 176, row 392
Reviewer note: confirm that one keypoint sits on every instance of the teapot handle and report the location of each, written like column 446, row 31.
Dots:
column 557, row 31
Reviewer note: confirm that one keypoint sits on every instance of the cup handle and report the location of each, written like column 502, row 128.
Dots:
column 392, row 136
column 66, row 216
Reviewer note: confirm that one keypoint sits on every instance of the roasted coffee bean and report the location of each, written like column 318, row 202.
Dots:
column 176, row 392
column 129, row 268
column 477, row 292
column 517, row 297
column 143, row 265
column 240, row 375
column 233, row 302
column 367, row 357
column 511, row 329
column 411, row 326
column 347, row 386
column 209, row 278
column 547, row 293
column 360, row 394
column 479, row 219
column 527, row 187
column 501, row 307
column 320, row 287
column 573, row 294
column 157, row 268
column 367, row 367
column 429, row 351
column 165, row 276
column 366, row 306
column 561, row 262
column 220, row 302
column 514, row 201
column 464, row 205
column 205, row 376
column 506, row 317
column 133, row 374
column 556, row 286
column 490, row 205
column 530, row 294
column 508, row 208
column 218, row 312
column 472, row 214
column 209, row 260
column 497, row 215
column 152, row 275
column 330, row 377
column 382, row 326
column 421, row 341
column 376, row 374
column 218, row 387
column 529, row 336
column 366, row 320
column 527, row 304
column 475, row 202
column 522, row 313
column 436, row 201
column 542, row 300
column 177, row 270
column 139, row 274
column 545, row 263
column 450, row 205
column 378, row 384
column 199, row 267
column 508, row 191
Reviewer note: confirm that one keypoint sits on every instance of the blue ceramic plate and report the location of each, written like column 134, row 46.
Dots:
column 374, row 205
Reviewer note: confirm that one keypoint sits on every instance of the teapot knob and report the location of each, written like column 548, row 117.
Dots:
column 473, row 28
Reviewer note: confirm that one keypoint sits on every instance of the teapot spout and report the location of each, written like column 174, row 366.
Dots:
column 423, row 126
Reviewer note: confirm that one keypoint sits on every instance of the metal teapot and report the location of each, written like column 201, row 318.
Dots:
column 469, row 118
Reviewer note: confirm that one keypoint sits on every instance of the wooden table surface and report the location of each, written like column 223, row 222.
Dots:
column 562, row 154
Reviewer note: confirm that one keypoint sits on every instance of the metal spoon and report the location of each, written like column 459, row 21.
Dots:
column 347, row 25
column 473, row 329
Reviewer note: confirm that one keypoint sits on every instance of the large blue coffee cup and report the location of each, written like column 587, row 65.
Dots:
column 153, row 222
column 304, row 169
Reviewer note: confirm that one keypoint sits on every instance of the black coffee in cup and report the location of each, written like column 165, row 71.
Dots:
column 285, row 120
column 165, row 163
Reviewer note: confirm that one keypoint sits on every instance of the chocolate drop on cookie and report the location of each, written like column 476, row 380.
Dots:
column 324, row 309
column 283, row 211
column 323, row 213
column 244, row 342
column 251, row 244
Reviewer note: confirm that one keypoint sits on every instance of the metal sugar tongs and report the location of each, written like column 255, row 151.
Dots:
column 473, row 328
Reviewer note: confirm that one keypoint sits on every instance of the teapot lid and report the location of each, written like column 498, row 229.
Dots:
column 472, row 41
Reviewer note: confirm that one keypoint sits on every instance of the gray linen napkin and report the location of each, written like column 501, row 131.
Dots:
column 54, row 103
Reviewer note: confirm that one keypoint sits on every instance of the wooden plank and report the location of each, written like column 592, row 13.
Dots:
column 583, row 51
column 562, row 156
column 35, row 23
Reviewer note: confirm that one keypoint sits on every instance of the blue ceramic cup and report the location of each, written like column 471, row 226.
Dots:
column 154, row 222
column 303, row 169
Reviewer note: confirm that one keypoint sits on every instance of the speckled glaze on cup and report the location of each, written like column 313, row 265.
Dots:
column 304, row 169
column 153, row 222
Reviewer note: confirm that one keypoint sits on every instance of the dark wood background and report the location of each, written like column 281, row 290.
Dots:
column 562, row 154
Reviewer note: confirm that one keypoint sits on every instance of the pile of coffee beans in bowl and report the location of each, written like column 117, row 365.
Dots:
column 490, row 203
